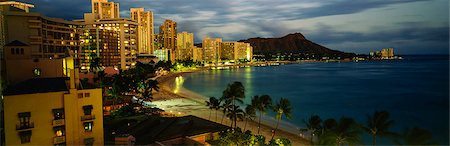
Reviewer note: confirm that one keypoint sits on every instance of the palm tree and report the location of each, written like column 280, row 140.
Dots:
column 313, row 125
column 261, row 104
column 216, row 105
column 146, row 89
column 283, row 107
column 344, row 132
column 211, row 105
column 226, row 107
column 235, row 114
column 378, row 125
column 234, row 92
column 415, row 136
column 250, row 113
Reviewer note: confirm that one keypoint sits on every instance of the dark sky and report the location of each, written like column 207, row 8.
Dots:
column 360, row 26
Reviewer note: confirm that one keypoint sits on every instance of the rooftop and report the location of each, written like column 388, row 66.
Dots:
column 38, row 85
column 165, row 128
column 16, row 43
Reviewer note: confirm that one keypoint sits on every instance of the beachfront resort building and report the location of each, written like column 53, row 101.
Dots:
column 53, row 111
column 385, row 53
column 168, row 38
column 211, row 49
column 236, row 51
column 185, row 46
column 145, row 30
column 112, row 39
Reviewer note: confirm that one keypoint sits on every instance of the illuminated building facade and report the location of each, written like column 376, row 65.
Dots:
column 53, row 111
column 197, row 54
column 168, row 34
column 211, row 49
column 145, row 29
column 185, row 46
column 387, row 53
column 105, row 10
column 236, row 51
column 47, row 37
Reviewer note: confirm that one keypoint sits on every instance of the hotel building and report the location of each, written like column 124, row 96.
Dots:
column 53, row 111
column 145, row 29
column 185, row 46
column 115, row 39
column 105, row 10
column 168, row 40
column 47, row 37
column 236, row 51
column 211, row 49
column 197, row 54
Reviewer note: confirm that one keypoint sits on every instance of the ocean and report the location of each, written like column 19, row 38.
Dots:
column 415, row 90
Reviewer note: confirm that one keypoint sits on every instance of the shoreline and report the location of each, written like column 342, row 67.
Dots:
column 181, row 101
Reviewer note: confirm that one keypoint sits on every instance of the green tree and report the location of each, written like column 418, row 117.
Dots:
column 234, row 92
column 262, row 104
column 235, row 114
column 226, row 107
column 378, row 125
column 213, row 103
column 283, row 107
column 415, row 136
column 250, row 113
column 344, row 132
column 314, row 126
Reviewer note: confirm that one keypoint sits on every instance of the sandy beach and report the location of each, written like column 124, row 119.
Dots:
column 180, row 101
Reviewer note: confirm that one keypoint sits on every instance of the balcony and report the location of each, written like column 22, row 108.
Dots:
column 59, row 140
column 25, row 126
column 87, row 117
column 59, row 122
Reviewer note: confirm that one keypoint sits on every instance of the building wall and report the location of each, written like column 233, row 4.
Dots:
column 168, row 34
column 48, row 67
column 145, row 29
column 227, row 51
column 41, row 106
column 185, row 46
column 211, row 49
column 126, row 30
column 104, row 9
column 197, row 53
column 48, row 37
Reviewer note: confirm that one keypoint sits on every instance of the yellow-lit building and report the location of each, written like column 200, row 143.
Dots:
column 387, row 53
column 185, row 46
column 145, row 29
column 211, row 49
column 197, row 54
column 168, row 34
column 122, row 31
column 53, row 111
column 236, row 51
column 20, row 65
column 47, row 37
column 105, row 10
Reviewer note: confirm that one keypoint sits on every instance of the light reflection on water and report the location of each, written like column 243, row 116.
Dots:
column 405, row 88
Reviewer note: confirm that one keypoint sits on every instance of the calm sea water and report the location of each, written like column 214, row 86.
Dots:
column 414, row 90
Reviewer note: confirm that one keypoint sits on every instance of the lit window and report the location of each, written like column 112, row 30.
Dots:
column 80, row 95
column 88, row 126
column 58, row 113
column 37, row 72
column 87, row 94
